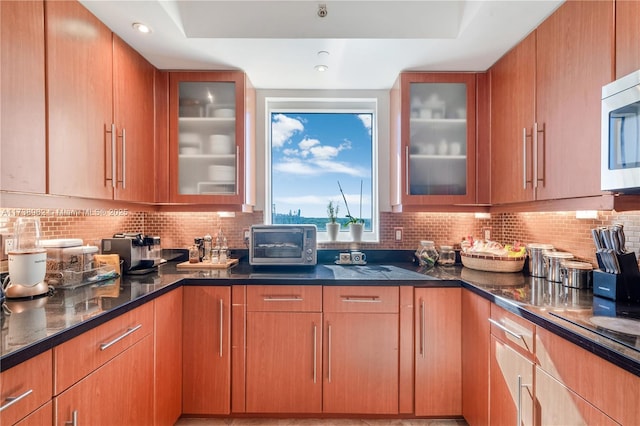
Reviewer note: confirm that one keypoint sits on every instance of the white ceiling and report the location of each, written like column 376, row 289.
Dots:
column 369, row 41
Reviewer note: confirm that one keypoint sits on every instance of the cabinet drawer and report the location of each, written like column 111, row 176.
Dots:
column 30, row 383
column 76, row 358
column 284, row 298
column 361, row 299
column 515, row 331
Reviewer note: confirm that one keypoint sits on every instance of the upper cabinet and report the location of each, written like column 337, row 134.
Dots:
column 627, row 37
column 211, row 138
column 22, row 101
column 545, row 115
column 433, row 140
column 101, row 109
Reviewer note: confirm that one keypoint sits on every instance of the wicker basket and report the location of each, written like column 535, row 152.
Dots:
column 484, row 262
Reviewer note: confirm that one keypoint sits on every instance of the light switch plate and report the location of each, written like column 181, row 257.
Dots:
column 397, row 232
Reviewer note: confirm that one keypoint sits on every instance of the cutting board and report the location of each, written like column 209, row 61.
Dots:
column 200, row 265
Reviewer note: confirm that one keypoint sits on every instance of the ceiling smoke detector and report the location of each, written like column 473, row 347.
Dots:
column 322, row 10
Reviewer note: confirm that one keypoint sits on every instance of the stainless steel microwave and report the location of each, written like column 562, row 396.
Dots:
column 620, row 159
column 283, row 245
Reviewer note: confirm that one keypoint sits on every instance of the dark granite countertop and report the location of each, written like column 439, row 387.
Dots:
column 34, row 326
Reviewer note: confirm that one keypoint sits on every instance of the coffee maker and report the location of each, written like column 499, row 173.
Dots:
column 140, row 254
column 27, row 261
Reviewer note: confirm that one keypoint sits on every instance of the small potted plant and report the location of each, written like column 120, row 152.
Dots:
column 356, row 225
column 333, row 227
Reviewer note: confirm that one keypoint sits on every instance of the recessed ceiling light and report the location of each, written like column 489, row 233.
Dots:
column 141, row 27
column 321, row 68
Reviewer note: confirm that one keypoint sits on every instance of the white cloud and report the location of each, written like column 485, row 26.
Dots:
column 283, row 128
column 303, row 200
column 289, row 152
column 324, row 152
column 296, row 167
column 307, row 143
column 366, row 121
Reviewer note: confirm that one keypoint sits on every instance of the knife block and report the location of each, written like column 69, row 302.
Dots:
column 624, row 286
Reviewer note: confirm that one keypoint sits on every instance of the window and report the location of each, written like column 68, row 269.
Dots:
column 315, row 148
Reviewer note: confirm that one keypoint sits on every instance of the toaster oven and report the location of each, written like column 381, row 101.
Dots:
column 283, row 245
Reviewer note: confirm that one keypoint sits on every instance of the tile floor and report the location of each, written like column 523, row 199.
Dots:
column 318, row 422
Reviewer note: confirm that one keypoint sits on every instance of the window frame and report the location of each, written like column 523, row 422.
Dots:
column 327, row 105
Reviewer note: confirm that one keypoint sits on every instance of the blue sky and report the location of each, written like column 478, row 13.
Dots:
column 311, row 152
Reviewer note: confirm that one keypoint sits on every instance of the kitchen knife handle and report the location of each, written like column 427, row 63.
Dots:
column 14, row 399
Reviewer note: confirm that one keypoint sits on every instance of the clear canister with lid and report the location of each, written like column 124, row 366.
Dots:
column 427, row 254
column 447, row 256
column 553, row 260
column 537, row 266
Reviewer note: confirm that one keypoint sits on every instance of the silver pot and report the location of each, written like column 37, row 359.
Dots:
column 576, row 274
column 537, row 267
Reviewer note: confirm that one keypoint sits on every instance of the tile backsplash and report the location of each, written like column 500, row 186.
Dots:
column 177, row 229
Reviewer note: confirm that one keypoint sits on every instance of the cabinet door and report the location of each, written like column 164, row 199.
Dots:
column 627, row 37
column 475, row 358
column 284, row 362
column 511, row 386
column 80, row 101
column 512, row 118
column 574, row 59
column 361, row 363
column 133, row 87
column 168, row 357
column 438, row 373
column 206, row 374
column 22, row 103
column 207, row 137
column 113, row 394
column 43, row 416
column 556, row 404
column 435, row 141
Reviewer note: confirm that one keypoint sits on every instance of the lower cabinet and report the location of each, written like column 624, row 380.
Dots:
column 284, row 356
column 206, row 366
column 438, row 373
column 168, row 358
column 511, row 386
column 41, row 417
column 118, row 393
column 361, row 350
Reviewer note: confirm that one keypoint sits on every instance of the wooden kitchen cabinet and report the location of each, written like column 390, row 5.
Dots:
column 284, row 349
column 627, row 37
column 557, row 72
column 433, row 140
column 113, row 394
column 31, row 384
column 168, row 357
column 206, row 367
column 100, row 109
column 360, row 366
column 438, row 349
column 212, row 139
column 41, row 417
column 22, row 97
column 475, row 358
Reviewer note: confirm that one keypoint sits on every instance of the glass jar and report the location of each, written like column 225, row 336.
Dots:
column 447, row 256
column 194, row 254
column 427, row 254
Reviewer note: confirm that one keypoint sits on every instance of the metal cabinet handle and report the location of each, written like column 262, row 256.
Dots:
column 519, row 402
column 536, row 131
column 315, row 354
column 406, row 169
column 524, row 158
column 283, row 298
column 361, row 299
column 124, row 158
column 221, row 325
column 74, row 419
column 506, row 330
column 535, row 155
column 237, row 185
column 113, row 157
column 104, row 346
column 14, row 399
column 329, row 353
column 422, row 328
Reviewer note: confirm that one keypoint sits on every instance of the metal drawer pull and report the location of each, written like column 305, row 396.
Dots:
column 74, row 419
column 361, row 299
column 604, row 288
column 315, row 353
column 283, row 299
column 221, row 325
column 329, row 353
column 104, row 346
column 13, row 399
column 422, row 328
column 506, row 330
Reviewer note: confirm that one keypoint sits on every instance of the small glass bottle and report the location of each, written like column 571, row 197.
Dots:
column 206, row 258
column 223, row 251
column 427, row 254
column 447, row 256
column 194, row 254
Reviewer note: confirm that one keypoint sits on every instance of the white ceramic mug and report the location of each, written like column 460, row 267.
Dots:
column 455, row 148
column 358, row 257
column 345, row 257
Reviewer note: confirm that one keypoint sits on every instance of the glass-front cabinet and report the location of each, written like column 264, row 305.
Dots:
column 212, row 135
column 433, row 139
